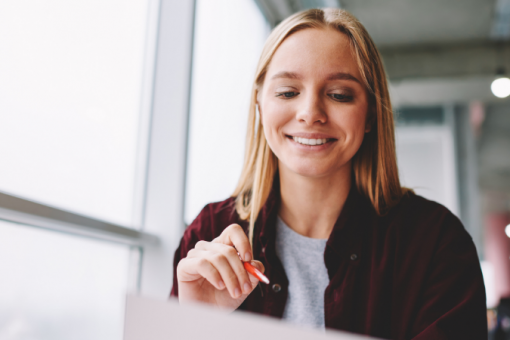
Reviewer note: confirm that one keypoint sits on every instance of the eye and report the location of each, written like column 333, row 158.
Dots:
column 287, row 95
column 341, row 97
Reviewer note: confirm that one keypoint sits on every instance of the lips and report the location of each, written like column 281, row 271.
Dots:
column 311, row 139
column 306, row 141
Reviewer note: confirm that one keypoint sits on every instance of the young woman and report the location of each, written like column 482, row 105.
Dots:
column 320, row 207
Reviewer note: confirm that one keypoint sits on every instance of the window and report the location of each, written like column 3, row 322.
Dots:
column 426, row 153
column 93, row 133
column 71, row 97
column 59, row 287
column 75, row 98
column 224, row 62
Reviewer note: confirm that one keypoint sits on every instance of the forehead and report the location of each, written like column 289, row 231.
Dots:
column 314, row 52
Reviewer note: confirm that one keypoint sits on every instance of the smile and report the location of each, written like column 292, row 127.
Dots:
column 306, row 141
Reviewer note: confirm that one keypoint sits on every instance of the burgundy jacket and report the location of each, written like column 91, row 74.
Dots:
column 411, row 274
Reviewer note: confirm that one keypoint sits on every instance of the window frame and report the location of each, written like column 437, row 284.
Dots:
column 158, row 205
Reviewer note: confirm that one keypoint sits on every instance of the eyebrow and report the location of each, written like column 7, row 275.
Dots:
column 334, row 76
column 285, row 74
column 343, row 76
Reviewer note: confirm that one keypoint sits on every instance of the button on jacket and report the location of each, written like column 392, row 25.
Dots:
column 411, row 274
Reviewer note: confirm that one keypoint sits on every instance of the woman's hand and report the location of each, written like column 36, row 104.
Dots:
column 213, row 273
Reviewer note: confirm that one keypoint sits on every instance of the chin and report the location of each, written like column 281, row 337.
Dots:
column 310, row 170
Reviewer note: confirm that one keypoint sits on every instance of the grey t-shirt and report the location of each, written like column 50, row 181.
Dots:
column 303, row 260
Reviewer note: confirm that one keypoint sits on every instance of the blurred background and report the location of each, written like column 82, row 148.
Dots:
column 120, row 120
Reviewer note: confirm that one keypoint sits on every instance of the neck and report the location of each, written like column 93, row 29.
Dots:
column 311, row 206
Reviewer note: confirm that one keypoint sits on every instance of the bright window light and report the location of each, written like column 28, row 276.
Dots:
column 224, row 63
column 501, row 87
column 60, row 287
column 507, row 230
column 70, row 102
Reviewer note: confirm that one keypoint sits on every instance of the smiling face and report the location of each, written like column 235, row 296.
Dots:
column 313, row 103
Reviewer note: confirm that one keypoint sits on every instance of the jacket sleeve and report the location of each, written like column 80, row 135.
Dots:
column 453, row 304
column 199, row 229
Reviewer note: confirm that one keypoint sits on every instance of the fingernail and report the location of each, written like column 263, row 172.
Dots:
column 221, row 285
column 247, row 257
column 237, row 292
column 247, row 288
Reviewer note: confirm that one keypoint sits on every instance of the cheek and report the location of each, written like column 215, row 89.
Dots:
column 359, row 125
column 353, row 126
column 274, row 118
column 359, row 129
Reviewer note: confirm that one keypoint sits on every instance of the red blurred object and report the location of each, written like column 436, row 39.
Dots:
column 255, row 272
column 497, row 251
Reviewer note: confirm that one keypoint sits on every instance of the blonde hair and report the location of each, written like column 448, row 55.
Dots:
column 374, row 165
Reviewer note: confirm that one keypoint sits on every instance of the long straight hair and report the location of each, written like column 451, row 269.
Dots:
column 374, row 166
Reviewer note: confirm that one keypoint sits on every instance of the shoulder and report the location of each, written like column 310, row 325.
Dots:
column 436, row 268
column 429, row 244
column 213, row 219
column 426, row 222
column 412, row 205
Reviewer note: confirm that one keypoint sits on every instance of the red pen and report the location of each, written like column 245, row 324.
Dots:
column 255, row 272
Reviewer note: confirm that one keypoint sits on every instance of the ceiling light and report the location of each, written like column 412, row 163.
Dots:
column 500, row 87
column 507, row 230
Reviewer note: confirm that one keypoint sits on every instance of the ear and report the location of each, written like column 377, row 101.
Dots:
column 258, row 108
column 368, row 126
column 260, row 113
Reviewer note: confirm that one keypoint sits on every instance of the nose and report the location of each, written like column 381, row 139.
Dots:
column 312, row 110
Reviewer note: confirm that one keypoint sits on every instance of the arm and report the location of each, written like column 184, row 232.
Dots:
column 453, row 304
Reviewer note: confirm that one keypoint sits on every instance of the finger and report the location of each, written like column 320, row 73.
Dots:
column 235, row 236
column 201, row 245
column 229, row 277
column 193, row 253
column 192, row 269
column 235, row 263
column 210, row 273
column 198, row 252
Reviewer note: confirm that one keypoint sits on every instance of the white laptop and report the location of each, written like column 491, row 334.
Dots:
column 150, row 319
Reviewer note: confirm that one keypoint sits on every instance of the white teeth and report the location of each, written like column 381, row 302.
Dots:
column 306, row 141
